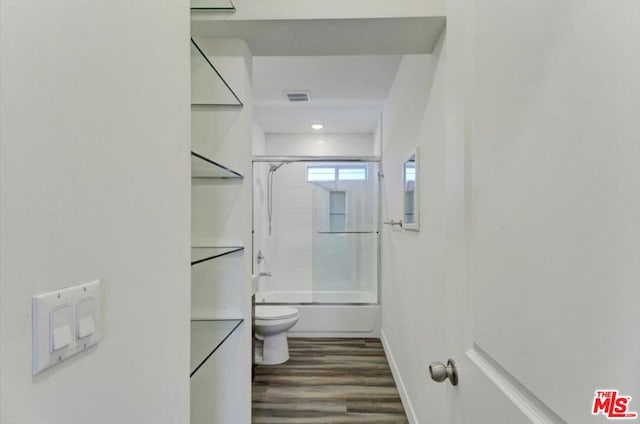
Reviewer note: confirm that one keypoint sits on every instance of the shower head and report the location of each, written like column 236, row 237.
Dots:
column 274, row 168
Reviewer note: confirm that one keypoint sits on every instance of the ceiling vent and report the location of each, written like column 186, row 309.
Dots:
column 298, row 96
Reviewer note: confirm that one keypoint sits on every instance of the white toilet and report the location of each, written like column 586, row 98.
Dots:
column 272, row 323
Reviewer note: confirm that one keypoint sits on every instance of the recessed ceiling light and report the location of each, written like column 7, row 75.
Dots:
column 317, row 126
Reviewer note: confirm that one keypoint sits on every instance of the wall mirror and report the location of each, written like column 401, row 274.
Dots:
column 411, row 204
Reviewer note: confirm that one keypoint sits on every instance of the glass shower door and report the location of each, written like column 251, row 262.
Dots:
column 345, row 235
column 316, row 225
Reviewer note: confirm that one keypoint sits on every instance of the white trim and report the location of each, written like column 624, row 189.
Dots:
column 404, row 396
column 532, row 407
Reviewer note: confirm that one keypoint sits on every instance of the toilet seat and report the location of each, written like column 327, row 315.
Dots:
column 275, row 312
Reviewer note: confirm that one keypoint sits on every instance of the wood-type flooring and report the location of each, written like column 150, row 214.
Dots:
column 328, row 381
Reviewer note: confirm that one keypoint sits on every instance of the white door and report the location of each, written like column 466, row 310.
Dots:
column 549, row 311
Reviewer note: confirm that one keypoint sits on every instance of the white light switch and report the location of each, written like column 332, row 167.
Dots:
column 65, row 322
column 84, row 313
column 61, row 337
column 59, row 327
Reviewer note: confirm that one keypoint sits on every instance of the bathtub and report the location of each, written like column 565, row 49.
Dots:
column 349, row 314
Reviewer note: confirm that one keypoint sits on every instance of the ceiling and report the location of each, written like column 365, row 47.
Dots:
column 347, row 66
column 347, row 92
column 321, row 37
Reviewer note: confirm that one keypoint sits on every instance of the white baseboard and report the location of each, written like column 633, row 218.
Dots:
column 404, row 396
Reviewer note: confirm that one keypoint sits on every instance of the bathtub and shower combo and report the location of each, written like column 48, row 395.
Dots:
column 315, row 252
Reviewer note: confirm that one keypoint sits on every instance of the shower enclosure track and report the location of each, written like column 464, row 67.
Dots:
column 288, row 159
column 347, row 232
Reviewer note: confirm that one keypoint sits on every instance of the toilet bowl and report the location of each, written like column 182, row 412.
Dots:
column 272, row 323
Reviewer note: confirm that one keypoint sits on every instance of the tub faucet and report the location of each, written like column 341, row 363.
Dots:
column 264, row 274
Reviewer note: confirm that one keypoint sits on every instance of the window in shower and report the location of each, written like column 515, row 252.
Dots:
column 352, row 173
column 320, row 174
column 336, row 173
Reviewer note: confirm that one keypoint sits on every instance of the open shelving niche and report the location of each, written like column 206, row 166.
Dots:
column 203, row 254
column 207, row 91
column 204, row 167
column 208, row 335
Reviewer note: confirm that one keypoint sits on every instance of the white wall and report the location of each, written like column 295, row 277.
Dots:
column 94, row 171
column 538, row 163
column 555, row 174
column 320, row 144
column 413, row 263
column 259, row 192
column 258, row 140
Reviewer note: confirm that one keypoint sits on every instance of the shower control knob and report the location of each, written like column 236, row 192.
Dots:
column 440, row 372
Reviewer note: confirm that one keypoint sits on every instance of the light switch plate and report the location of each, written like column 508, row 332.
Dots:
column 65, row 322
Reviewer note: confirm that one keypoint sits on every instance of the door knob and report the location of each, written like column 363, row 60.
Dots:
column 440, row 372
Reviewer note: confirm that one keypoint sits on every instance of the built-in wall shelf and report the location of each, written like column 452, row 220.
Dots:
column 208, row 87
column 206, row 337
column 204, row 167
column 219, row 297
column 203, row 254
column 221, row 6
